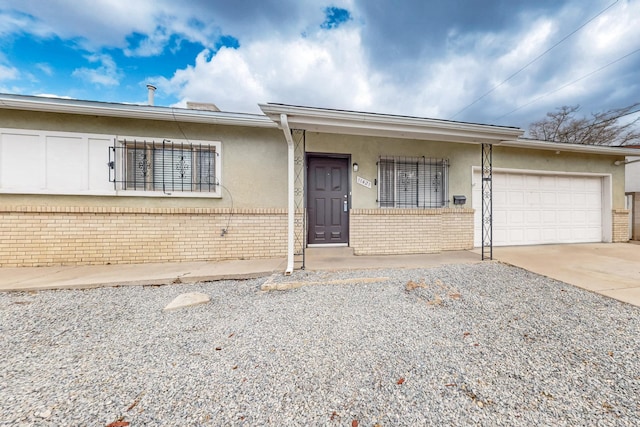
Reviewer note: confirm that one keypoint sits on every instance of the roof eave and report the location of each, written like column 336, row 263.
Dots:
column 92, row 108
column 573, row 148
column 383, row 125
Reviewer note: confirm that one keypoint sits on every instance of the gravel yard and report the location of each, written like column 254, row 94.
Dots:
column 479, row 344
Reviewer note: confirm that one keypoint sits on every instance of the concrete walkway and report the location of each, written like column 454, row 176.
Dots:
column 92, row 276
column 609, row 269
column 74, row 277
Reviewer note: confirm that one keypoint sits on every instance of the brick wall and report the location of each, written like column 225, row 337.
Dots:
column 408, row 231
column 47, row 236
column 620, row 225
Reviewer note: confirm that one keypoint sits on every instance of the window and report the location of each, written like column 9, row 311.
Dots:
column 412, row 182
column 166, row 166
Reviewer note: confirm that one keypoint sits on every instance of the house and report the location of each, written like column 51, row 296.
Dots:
column 632, row 189
column 86, row 182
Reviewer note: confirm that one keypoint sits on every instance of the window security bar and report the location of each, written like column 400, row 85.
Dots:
column 167, row 167
column 413, row 182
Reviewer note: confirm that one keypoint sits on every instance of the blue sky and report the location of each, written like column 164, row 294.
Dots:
column 470, row 60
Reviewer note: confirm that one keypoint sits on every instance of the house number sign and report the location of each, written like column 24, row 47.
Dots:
column 363, row 182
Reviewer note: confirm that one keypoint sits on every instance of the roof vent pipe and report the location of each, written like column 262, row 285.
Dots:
column 152, row 91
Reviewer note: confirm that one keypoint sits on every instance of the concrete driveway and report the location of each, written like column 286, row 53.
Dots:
column 611, row 269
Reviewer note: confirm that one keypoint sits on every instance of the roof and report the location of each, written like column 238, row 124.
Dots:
column 315, row 119
column 387, row 125
column 570, row 148
column 394, row 126
column 108, row 109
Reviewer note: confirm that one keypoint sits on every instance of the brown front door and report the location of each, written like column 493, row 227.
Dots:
column 328, row 200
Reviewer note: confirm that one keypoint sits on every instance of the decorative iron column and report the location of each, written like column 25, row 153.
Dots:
column 487, row 202
column 300, row 221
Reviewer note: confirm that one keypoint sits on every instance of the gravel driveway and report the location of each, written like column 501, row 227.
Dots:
column 480, row 344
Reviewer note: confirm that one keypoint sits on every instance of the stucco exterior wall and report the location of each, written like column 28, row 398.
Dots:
column 43, row 227
column 253, row 162
column 54, row 229
column 462, row 159
column 366, row 150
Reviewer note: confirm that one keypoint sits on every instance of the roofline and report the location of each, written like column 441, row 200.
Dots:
column 387, row 125
column 106, row 109
column 573, row 148
column 314, row 119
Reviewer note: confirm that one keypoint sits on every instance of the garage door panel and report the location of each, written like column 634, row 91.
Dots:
column 564, row 218
column 579, row 199
column 532, row 198
column 547, row 181
column 549, row 217
column 578, row 184
column 548, row 198
column 515, row 236
column 538, row 209
column 500, row 180
column 548, row 235
column 593, row 199
column 579, row 217
column 499, row 235
column 565, row 200
column 533, row 218
column 532, row 182
column 515, row 217
column 515, row 198
column 499, row 217
column 499, row 196
column 563, row 184
column 592, row 234
column 593, row 186
column 593, row 217
column 563, row 234
column 532, row 235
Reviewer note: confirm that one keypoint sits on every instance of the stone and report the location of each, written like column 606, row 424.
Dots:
column 44, row 414
column 187, row 300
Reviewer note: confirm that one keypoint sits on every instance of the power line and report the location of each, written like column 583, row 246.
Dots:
column 569, row 84
column 535, row 59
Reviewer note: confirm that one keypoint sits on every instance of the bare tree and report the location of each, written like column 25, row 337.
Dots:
column 599, row 129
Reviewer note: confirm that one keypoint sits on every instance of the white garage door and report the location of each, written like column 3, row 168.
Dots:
column 530, row 209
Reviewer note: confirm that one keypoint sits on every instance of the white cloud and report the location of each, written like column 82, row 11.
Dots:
column 45, row 68
column 319, row 70
column 8, row 73
column 107, row 74
column 417, row 60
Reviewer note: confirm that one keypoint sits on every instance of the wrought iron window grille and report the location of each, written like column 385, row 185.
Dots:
column 142, row 165
column 412, row 182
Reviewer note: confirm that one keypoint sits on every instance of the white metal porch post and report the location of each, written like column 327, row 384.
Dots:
column 290, row 192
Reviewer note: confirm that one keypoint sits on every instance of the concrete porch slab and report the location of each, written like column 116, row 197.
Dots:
column 342, row 258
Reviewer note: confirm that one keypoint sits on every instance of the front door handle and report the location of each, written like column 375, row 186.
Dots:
column 344, row 206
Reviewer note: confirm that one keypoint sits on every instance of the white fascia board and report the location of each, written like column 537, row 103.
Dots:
column 372, row 124
column 93, row 108
column 573, row 148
